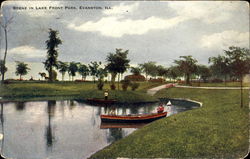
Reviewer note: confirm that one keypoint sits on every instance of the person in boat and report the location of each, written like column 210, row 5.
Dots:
column 160, row 108
column 106, row 94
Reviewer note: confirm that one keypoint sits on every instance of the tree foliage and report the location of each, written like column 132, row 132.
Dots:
column 83, row 70
column 117, row 63
column 220, row 66
column 187, row 65
column 174, row 72
column 73, row 68
column 135, row 70
column 21, row 69
column 149, row 68
column 52, row 53
column 3, row 68
column 239, row 61
column 93, row 68
column 203, row 72
column 63, row 68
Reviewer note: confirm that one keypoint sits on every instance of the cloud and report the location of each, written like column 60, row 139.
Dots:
column 225, row 39
column 27, row 52
column 116, row 27
column 122, row 9
column 208, row 12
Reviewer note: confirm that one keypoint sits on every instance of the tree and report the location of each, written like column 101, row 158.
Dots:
column 117, row 64
column 4, row 24
column 162, row 71
column 187, row 64
column 21, row 69
column 73, row 68
column 239, row 61
column 220, row 66
column 135, row 70
column 174, row 72
column 42, row 74
column 3, row 68
column 93, row 67
column 203, row 72
column 83, row 71
column 102, row 72
column 149, row 68
column 52, row 53
column 63, row 68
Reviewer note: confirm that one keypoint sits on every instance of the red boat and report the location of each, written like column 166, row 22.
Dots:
column 101, row 101
column 133, row 118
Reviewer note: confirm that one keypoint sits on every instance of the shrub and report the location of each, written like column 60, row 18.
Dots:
column 217, row 80
column 135, row 78
column 156, row 80
column 100, row 84
column 125, row 84
column 134, row 86
column 112, row 87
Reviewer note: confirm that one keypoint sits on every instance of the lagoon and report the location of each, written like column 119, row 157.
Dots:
column 67, row 128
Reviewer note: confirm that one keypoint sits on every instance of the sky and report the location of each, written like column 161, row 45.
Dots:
column 160, row 31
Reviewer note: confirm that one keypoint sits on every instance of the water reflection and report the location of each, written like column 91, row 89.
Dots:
column 20, row 106
column 50, row 136
column 114, row 134
column 2, row 127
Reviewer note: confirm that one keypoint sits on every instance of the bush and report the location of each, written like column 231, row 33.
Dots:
column 54, row 75
column 156, row 80
column 134, row 86
column 135, row 78
column 217, row 80
column 112, row 87
column 125, row 84
column 100, row 84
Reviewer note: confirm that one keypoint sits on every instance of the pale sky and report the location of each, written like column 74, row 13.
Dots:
column 152, row 31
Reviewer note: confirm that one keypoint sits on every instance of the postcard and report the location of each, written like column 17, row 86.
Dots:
column 124, row 79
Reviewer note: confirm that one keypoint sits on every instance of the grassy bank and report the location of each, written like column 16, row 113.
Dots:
column 219, row 129
column 71, row 90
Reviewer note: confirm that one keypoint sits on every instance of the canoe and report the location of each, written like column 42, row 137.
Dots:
column 133, row 118
column 101, row 101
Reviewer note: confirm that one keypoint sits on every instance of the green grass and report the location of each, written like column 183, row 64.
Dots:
column 71, row 90
column 219, row 129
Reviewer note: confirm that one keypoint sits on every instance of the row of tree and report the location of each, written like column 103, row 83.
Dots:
column 233, row 65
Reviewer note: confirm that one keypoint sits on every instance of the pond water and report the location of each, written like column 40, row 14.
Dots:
column 65, row 129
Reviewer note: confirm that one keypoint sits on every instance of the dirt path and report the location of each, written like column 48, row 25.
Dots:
column 178, row 86
column 152, row 91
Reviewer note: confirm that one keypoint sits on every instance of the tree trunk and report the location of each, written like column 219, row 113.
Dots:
column 50, row 74
column 225, row 78
column 20, row 77
column 113, row 76
column 241, row 92
column 188, row 79
column 5, row 53
column 118, row 81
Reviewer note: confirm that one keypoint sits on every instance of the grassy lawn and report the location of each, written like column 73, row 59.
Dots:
column 71, row 90
column 219, row 129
